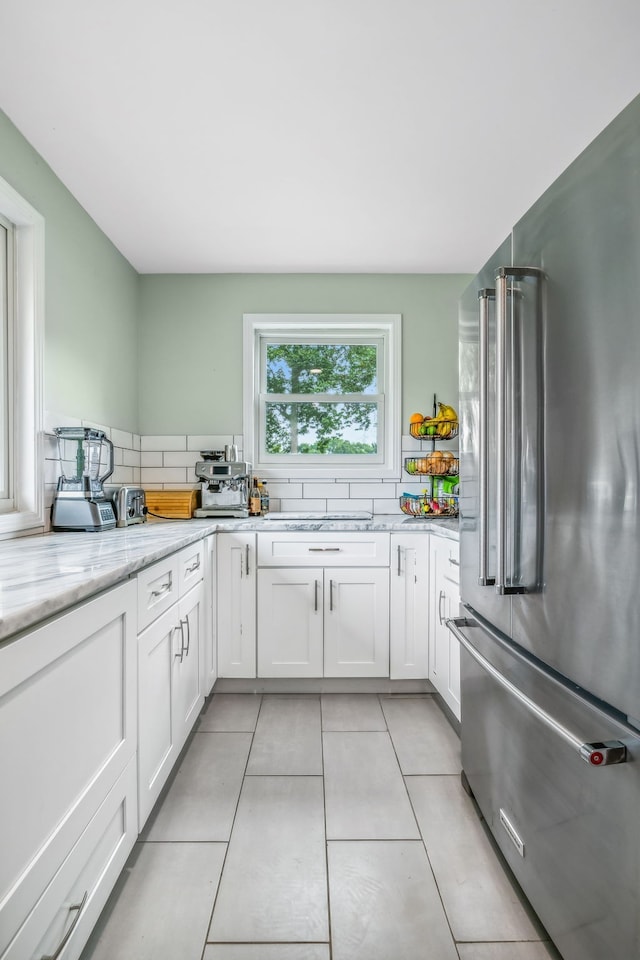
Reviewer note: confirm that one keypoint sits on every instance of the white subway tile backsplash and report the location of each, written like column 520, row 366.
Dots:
column 364, row 490
column 187, row 459
column 136, row 441
column 350, row 504
column 151, row 458
column 327, row 490
column 122, row 475
column 281, row 488
column 163, row 475
column 387, row 506
column 163, row 443
column 313, row 506
column 122, row 439
column 131, row 458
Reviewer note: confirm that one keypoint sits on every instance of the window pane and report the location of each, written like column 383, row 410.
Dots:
column 322, row 428
column 324, row 368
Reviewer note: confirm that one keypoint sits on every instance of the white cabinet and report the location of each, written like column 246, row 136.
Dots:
column 331, row 622
column 290, row 603
column 409, row 579
column 356, row 623
column 170, row 693
column 323, row 605
column 67, row 740
column 236, row 603
column 444, row 649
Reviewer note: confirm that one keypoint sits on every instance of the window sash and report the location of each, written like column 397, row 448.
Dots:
column 383, row 330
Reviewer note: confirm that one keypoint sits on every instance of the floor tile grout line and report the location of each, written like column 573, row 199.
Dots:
column 433, row 873
column 226, row 853
column 326, row 841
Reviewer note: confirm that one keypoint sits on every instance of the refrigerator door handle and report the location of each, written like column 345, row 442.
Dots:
column 596, row 754
column 484, row 580
column 504, row 581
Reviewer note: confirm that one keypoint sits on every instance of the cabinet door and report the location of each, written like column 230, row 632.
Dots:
column 290, row 622
column 409, row 593
column 236, row 596
column 158, row 646
column 356, row 622
column 187, row 691
column 444, row 650
column 67, row 732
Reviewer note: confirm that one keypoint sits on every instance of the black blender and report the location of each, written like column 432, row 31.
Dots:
column 86, row 461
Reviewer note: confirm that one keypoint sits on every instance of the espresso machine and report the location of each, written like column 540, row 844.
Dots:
column 86, row 461
column 224, row 487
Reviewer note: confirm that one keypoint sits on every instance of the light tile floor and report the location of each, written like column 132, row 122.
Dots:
column 313, row 827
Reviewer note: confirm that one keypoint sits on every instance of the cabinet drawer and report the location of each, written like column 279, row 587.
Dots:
column 323, row 549
column 158, row 588
column 72, row 902
column 67, row 731
column 190, row 567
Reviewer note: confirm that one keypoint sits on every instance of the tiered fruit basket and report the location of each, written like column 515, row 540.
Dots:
column 439, row 467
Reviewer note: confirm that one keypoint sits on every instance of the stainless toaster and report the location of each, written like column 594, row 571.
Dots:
column 129, row 505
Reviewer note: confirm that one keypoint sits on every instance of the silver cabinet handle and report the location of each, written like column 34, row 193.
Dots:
column 246, row 559
column 315, row 596
column 484, row 298
column 78, row 907
column 440, row 599
column 194, row 566
column 186, row 621
column 399, row 560
column 164, row 588
column 330, row 594
column 324, row 549
column 596, row 754
column 454, row 563
column 180, row 653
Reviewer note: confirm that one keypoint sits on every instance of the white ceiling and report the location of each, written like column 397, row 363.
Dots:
column 313, row 135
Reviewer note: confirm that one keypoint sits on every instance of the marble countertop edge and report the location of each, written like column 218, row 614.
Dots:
column 42, row 576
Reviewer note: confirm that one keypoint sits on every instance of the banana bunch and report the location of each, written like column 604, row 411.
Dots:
column 446, row 420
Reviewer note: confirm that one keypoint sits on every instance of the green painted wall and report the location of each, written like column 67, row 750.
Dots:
column 91, row 298
column 190, row 349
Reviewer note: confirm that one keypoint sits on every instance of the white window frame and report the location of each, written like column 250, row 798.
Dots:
column 24, row 512
column 385, row 330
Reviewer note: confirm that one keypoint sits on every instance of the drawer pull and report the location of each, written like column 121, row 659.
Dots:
column 194, row 566
column 161, row 590
column 324, row 549
column 454, row 563
column 78, row 907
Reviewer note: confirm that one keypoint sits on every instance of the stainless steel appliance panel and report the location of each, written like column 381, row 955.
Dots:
column 584, row 234
column 478, row 498
column 567, row 829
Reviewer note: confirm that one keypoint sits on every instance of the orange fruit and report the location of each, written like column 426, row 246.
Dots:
column 416, row 418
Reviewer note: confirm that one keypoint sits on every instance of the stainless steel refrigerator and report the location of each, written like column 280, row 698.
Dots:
column 550, row 548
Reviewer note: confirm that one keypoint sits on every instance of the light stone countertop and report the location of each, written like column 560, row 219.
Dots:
column 44, row 575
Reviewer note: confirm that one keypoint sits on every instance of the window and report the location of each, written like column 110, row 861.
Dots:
column 21, row 319
column 322, row 395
